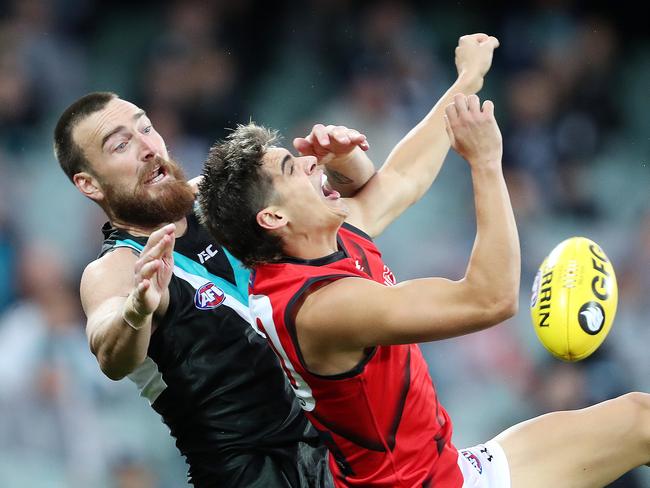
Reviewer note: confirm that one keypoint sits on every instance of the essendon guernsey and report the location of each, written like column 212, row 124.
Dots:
column 381, row 421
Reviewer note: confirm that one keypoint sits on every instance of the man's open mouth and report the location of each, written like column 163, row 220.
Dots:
column 156, row 175
column 328, row 192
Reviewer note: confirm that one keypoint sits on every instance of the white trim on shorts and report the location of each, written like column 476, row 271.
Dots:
column 484, row 466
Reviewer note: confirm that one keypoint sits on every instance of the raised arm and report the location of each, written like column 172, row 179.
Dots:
column 350, row 314
column 120, row 294
column 414, row 163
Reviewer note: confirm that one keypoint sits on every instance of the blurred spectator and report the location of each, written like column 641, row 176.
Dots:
column 133, row 473
column 48, row 382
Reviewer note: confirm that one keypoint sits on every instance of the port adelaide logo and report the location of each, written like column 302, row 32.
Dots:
column 591, row 317
column 208, row 296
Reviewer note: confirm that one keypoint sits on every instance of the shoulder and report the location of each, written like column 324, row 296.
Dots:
column 113, row 267
column 350, row 230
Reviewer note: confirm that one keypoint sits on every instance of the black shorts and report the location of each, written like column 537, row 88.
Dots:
column 302, row 466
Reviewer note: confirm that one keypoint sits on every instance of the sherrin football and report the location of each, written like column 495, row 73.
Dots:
column 574, row 299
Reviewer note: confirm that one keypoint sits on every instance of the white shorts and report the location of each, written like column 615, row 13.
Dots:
column 484, row 466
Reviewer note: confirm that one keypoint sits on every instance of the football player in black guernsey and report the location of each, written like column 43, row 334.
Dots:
column 167, row 307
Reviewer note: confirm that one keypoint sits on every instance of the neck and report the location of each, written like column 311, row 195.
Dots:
column 140, row 231
column 311, row 245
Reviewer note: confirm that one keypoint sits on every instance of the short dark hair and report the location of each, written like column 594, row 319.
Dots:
column 235, row 187
column 70, row 156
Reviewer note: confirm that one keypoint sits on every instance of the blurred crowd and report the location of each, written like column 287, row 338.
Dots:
column 571, row 85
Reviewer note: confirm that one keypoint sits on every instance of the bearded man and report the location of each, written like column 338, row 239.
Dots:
column 167, row 306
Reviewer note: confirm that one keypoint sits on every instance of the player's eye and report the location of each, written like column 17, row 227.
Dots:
column 120, row 147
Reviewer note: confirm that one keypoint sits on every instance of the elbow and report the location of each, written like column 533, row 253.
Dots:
column 111, row 370
column 499, row 308
column 505, row 307
column 114, row 368
column 112, row 374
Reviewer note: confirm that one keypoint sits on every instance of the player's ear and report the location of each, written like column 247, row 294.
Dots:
column 271, row 218
column 88, row 185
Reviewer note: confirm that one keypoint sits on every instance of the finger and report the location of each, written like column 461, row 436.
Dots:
column 321, row 135
column 340, row 135
column 488, row 107
column 168, row 253
column 474, row 104
column 157, row 235
column 364, row 145
column 477, row 37
column 451, row 112
column 303, row 146
column 355, row 135
column 149, row 269
column 141, row 289
column 157, row 251
column 149, row 255
column 450, row 131
column 494, row 41
column 480, row 37
column 460, row 101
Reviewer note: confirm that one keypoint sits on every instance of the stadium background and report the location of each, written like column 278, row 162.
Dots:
column 571, row 83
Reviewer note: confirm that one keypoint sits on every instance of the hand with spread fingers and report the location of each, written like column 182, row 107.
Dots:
column 473, row 130
column 153, row 271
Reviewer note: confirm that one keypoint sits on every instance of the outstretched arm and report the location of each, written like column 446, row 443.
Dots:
column 414, row 163
column 346, row 316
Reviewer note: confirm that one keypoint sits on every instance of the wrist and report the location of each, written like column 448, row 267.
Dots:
column 486, row 166
column 335, row 161
column 469, row 83
column 133, row 318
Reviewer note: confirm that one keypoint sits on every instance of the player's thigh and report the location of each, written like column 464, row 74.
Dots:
column 582, row 448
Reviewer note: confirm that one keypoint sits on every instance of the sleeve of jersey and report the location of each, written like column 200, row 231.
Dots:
column 274, row 299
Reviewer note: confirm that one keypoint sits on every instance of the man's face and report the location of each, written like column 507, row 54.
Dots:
column 139, row 183
column 298, row 185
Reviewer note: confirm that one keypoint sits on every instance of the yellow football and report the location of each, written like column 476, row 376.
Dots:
column 574, row 299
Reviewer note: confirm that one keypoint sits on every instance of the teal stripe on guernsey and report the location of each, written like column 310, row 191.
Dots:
column 242, row 274
column 239, row 292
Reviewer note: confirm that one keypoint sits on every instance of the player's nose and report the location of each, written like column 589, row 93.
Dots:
column 148, row 150
column 309, row 164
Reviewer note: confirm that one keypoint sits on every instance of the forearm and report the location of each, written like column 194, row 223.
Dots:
column 119, row 338
column 418, row 157
column 347, row 174
column 494, row 266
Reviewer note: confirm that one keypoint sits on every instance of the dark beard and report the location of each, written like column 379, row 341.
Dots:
column 164, row 203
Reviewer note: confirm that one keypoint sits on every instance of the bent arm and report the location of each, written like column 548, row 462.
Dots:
column 105, row 287
column 120, row 293
column 354, row 313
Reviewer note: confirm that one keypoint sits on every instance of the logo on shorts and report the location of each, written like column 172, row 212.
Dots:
column 208, row 296
column 474, row 461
